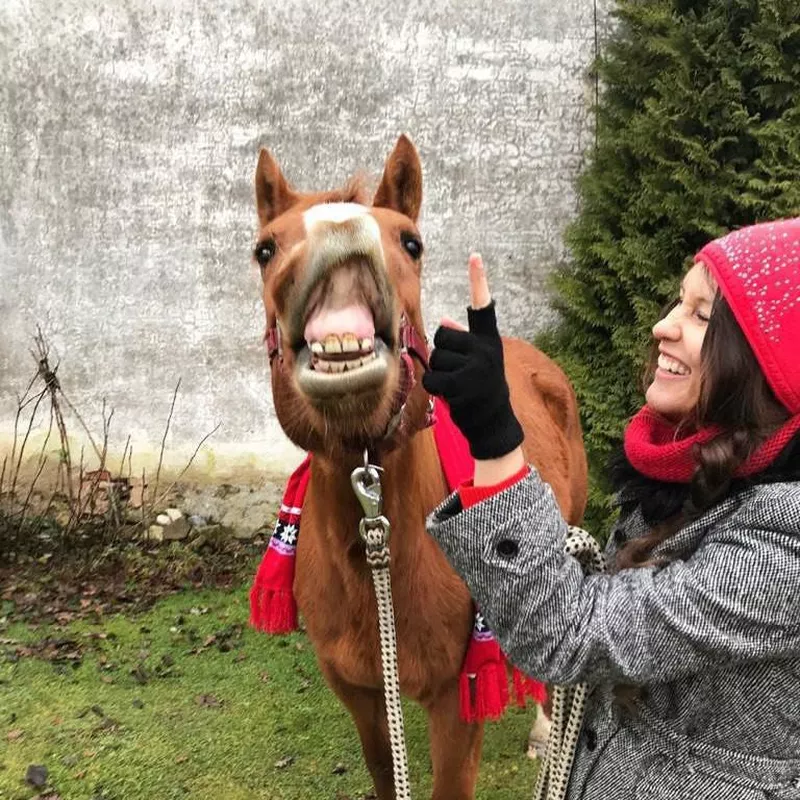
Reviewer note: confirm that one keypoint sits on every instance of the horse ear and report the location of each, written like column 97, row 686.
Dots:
column 401, row 185
column 273, row 193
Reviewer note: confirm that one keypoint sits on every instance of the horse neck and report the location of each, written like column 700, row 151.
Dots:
column 412, row 484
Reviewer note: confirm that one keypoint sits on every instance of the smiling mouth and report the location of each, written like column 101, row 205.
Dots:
column 346, row 344
column 325, row 376
column 672, row 366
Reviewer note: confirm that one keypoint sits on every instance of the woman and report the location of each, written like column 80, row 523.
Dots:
column 691, row 641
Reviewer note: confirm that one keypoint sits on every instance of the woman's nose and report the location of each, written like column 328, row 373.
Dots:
column 667, row 328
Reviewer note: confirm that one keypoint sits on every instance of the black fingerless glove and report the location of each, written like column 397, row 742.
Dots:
column 467, row 372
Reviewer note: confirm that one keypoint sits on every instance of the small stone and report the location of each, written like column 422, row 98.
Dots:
column 179, row 529
column 36, row 776
column 163, row 519
column 155, row 533
column 196, row 521
column 174, row 513
column 136, row 499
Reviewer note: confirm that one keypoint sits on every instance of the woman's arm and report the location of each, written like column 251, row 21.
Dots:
column 736, row 599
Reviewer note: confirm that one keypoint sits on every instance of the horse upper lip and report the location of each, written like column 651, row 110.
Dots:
column 380, row 305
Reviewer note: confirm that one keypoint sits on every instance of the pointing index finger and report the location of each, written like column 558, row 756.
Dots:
column 479, row 293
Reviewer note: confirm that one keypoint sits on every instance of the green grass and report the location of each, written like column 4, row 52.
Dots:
column 155, row 740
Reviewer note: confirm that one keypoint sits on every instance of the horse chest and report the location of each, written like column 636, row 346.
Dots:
column 432, row 621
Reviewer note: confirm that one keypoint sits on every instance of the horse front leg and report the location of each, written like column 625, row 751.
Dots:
column 368, row 709
column 455, row 748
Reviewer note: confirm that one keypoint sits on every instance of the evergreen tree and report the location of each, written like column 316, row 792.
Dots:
column 698, row 133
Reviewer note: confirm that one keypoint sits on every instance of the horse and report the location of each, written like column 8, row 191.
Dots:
column 341, row 290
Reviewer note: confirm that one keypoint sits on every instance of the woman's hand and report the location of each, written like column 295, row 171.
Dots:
column 467, row 371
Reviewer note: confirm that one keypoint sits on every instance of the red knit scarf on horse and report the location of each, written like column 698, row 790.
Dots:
column 484, row 683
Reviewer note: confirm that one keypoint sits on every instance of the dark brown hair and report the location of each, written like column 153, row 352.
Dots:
column 734, row 395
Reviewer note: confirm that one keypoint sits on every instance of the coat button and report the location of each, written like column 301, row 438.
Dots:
column 507, row 548
column 590, row 737
column 619, row 536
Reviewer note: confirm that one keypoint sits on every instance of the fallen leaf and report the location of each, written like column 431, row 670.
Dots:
column 208, row 701
column 284, row 762
column 139, row 674
column 14, row 736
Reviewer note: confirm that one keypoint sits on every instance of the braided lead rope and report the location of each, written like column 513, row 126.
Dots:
column 374, row 530
column 569, row 702
column 391, row 683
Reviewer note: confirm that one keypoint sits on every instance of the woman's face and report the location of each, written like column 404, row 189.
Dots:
column 675, row 389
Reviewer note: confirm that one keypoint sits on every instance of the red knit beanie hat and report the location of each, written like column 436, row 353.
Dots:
column 757, row 269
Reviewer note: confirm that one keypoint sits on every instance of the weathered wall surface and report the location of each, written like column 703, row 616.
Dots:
column 129, row 134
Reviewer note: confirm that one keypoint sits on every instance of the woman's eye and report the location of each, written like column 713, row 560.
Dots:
column 701, row 316
column 412, row 245
column 264, row 252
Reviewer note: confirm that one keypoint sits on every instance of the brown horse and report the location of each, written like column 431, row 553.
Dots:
column 341, row 288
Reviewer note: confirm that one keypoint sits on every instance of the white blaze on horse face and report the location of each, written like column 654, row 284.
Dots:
column 335, row 232
column 333, row 212
column 359, row 231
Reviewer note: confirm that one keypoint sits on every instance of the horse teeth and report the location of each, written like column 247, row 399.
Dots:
column 332, row 344
column 316, row 347
column 367, row 345
column 350, row 343
column 353, row 364
column 337, row 366
column 322, row 366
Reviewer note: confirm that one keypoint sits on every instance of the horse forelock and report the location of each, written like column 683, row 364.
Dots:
column 354, row 191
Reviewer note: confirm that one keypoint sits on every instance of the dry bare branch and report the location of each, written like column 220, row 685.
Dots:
column 188, row 464
column 164, row 442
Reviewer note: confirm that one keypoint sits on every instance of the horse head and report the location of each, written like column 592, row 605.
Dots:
column 341, row 290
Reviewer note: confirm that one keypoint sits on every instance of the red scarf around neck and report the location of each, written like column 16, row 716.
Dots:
column 484, row 683
column 655, row 448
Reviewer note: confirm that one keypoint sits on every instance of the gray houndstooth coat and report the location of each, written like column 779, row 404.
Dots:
column 713, row 638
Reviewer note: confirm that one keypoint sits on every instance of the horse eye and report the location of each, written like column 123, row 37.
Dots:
column 412, row 245
column 264, row 252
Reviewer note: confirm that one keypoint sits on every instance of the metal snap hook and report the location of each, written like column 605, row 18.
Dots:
column 366, row 482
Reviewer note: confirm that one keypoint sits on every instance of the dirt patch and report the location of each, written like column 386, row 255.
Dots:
column 128, row 576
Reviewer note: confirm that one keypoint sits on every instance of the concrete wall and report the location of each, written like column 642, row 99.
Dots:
column 128, row 142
